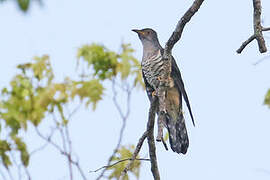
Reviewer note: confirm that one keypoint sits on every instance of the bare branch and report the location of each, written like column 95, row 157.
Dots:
column 150, row 138
column 258, row 35
column 122, row 160
column 176, row 35
column 244, row 44
column 266, row 29
column 257, row 25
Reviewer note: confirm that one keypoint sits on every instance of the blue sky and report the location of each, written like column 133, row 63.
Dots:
column 231, row 139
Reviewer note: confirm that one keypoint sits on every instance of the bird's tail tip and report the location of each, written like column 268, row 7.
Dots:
column 178, row 136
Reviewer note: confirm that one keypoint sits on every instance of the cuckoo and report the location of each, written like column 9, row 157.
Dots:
column 152, row 65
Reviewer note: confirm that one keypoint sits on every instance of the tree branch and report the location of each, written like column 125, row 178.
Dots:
column 176, row 35
column 150, row 138
column 266, row 29
column 149, row 134
column 62, row 151
column 258, row 35
column 136, row 152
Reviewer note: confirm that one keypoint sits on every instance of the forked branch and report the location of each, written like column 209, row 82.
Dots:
column 258, row 29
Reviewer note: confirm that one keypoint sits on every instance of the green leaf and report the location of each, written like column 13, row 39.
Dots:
column 4, row 148
column 21, row 146
column 124, row 153
column 267, row 99
column 102, row 61
column 91, row 91
column 23, row 4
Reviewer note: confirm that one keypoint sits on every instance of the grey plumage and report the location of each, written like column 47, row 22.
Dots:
column 152, row 66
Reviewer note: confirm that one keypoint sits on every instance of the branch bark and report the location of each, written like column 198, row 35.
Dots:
column 176, row 35
column 258, row 29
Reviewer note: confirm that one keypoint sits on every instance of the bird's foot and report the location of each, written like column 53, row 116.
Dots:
column 154, row 93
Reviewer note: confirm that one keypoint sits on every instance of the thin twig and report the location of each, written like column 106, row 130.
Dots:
column 14, row 162
column 3, row 175
column 122, row 160
column 59, row 126
column 244, row 44
column 9, row 173
column 44, row 145
column 266, row 29
column 27, row 172
column 75, row 163
column 261, row 60
column 123, row 116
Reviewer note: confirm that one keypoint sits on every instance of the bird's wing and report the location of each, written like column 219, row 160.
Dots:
column 149, row 89
column 176, row 75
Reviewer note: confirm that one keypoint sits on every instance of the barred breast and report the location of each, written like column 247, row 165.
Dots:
column 152, row 68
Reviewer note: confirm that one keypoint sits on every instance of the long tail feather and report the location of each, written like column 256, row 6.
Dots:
column 177, row 134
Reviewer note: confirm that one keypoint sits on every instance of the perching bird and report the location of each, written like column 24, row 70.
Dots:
column 151, row 67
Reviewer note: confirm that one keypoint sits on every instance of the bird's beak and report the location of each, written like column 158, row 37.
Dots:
column 140, row 32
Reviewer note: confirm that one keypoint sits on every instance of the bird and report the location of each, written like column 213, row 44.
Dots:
column 152, row 64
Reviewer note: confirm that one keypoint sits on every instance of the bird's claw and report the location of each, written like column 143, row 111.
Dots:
column 154, row 93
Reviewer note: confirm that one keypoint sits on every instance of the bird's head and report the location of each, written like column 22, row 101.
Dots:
column 147, row 35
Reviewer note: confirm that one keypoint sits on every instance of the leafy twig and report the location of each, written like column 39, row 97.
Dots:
column 122, row 160
column 136, row 152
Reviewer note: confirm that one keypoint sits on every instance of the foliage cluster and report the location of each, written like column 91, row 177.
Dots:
column 33, row 95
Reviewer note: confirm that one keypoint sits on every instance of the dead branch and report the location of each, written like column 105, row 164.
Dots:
column 258, row 29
